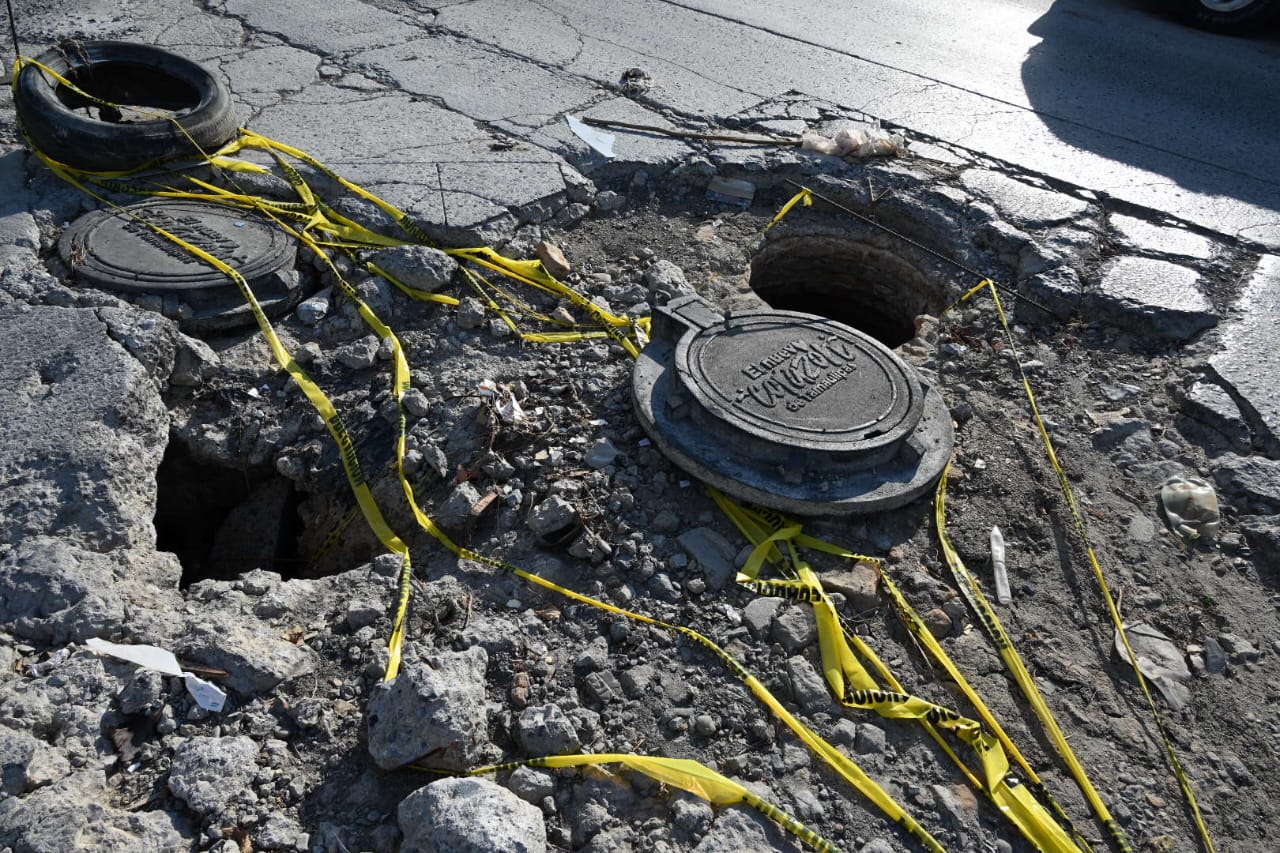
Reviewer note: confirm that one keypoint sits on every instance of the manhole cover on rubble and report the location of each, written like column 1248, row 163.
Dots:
column 118, row 252
column 789, row 410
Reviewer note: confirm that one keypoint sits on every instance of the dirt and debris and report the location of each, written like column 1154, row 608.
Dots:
column 164, row 490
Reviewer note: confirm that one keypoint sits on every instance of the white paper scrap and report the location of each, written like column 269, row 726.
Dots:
column 600, row 142
column 152, row 657
column 207, row 696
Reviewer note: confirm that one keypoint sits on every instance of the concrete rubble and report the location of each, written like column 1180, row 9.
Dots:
column 163, row 489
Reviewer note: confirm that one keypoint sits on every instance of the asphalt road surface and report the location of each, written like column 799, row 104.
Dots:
column 1109, row 94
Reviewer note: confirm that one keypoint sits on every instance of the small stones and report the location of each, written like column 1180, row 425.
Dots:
column 859, row 584
column 665, row 281
column 758, row 614
column 360, row 354
column 795, row 628
column 470, row 313
column 807, row 686
column 315, row 308
column 602, row 454
column 714, row 554
column 871, row 740
column 938, row 621
column 530, row 784
column 456, row 510
column 213, row 775
column 416, row 403
column 546, row 730
column 552, row 516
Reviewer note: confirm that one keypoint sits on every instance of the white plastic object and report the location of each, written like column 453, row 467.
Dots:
column 997, row 567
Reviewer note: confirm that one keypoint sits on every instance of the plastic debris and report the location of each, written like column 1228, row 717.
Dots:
column 1159, row 661
column 854, row 141
column 55, row 660
column 487, row 388
column 997, row 567
column 1191, row 507
column 207, row 696
column 510, row 411
column 731, row 191
column 600, row 142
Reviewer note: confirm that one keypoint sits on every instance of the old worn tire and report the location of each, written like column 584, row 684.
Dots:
column 138, row 75
column 1233, row 17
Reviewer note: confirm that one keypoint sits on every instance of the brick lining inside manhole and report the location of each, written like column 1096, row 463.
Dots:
column 869, row 288
column 222, row 522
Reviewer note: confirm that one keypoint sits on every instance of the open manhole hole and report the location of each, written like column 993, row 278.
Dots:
column 120, row 251
column 857, row 284
column 222, row 522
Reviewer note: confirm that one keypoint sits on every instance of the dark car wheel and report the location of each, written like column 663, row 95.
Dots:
column 1237, row 17
column 80, row 133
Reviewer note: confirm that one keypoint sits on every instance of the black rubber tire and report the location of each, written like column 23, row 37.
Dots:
column 1241, row 22
column 140, row 75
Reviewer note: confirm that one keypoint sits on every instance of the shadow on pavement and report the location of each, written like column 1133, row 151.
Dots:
column 1122, row 79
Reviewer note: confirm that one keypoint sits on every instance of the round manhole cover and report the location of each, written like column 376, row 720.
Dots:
column 790, row 377
column 789, row 410
column 121, row 252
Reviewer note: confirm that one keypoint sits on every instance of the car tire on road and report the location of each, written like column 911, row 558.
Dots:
column 1234, row 17
column 80, row 133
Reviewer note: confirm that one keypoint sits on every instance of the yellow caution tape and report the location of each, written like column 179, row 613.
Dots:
column 682, row 773
column 1184, row 782
column 805, row 196
column 972, row 594
column 841, row 667
column 311, row 213
column 1078, row 520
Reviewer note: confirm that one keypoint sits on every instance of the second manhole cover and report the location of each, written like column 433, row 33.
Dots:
column 789, row 410
column 121, row 252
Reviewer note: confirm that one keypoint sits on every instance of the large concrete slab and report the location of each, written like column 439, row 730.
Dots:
column 1248, row 360
column 1152, row 297
column 332, row 27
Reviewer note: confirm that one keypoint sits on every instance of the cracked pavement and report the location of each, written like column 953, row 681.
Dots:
column 455, row 111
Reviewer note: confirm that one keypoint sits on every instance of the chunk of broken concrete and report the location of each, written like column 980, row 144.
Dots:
column 433, row 712
column 418, row 267
column 468, row 815
column 553, row 259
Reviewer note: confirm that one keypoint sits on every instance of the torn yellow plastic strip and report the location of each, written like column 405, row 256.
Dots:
column 1081, row 528
column 972, row 594
column 841, row 763
column 683, row 773
column 935, row 651
column 805, row 196
column 968, row 294
column 837, row 760
column 534, row 274
column 417, row 295
column 1030, row 818
column 1009, row 796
